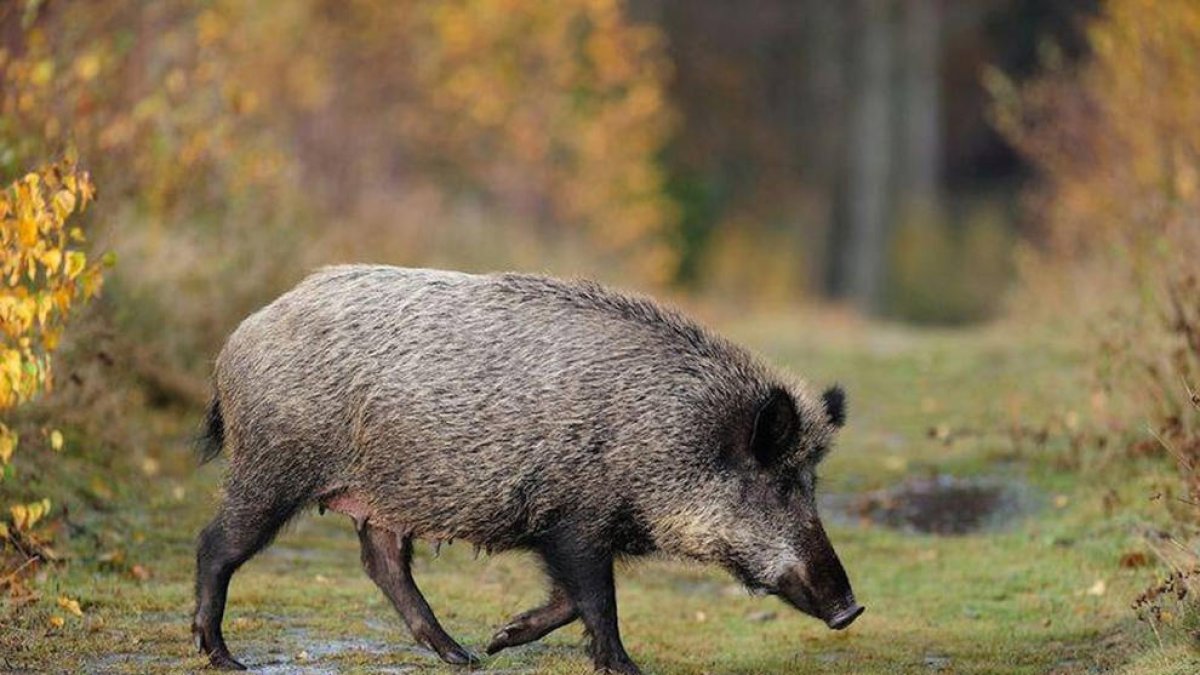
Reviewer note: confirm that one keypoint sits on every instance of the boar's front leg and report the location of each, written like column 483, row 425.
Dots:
column 536, row 623
column 586, row 574
column 387, row 556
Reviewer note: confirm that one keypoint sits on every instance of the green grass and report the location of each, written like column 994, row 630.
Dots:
column 1014, row 599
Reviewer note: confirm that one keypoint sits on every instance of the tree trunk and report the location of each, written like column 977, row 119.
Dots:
column 869, row 157
column 920, row 143
column 825, row 31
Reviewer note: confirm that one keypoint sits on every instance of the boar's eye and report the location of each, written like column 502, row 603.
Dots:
column 774, row 427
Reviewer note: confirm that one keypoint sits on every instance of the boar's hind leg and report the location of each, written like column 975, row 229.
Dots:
column 536, row 623
column 387, row 557
column 237, row 532
column 586, row 574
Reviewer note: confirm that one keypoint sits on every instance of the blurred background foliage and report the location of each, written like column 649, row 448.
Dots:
column 786, row 151
column 1115, row 144
column 918, row 160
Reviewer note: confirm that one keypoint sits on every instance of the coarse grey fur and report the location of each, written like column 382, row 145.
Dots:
column 501, row 409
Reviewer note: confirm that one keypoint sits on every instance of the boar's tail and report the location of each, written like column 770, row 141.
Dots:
column 212, row 435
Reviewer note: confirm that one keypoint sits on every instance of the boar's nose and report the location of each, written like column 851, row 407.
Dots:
column 845, row 617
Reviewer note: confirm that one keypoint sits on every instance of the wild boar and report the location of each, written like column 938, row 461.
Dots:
column 515, row 412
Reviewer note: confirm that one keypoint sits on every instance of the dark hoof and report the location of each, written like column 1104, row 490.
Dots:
column 223, row 661
column 218, row 655
column 503, row 639
column 457, row 656
column 518, row 632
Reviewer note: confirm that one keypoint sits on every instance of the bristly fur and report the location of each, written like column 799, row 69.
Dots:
column 211, row 438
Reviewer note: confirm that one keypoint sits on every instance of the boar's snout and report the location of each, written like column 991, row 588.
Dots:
column 819, row 586
column 846, row 617
column 838, row 611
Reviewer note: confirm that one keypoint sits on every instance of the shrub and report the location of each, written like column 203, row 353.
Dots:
column 1116, row 145
column 44, row 276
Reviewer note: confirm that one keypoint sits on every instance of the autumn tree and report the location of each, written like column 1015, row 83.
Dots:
column 231, row 137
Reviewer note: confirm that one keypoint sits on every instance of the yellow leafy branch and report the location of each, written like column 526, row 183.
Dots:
column 44, row 274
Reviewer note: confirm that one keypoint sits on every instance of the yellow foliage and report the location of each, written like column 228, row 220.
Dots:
column 8, row 444
column 556, row 111
column 25, row 516
column 1117, row 143
column 43, row 275
column 589, row 139
column 71, row 80
column 559, row 105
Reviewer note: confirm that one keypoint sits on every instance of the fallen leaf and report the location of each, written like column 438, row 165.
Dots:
column 1061, row 501
column 1097, row 588
column 57, row 621
column 70, row 605
column 150, row 467
column 1134, row 559
column 139, row 572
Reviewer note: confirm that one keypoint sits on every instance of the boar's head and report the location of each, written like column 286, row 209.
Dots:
column 752, row 507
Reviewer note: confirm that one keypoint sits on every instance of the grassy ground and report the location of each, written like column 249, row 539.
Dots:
column 1043, row 593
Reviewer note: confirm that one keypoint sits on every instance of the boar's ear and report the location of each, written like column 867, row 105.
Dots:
column 835, row 405
column 774, row 427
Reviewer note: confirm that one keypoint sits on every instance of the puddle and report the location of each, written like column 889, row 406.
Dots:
column 937, row 662
column 941, row 505
column 297, row 650
column 300, row 651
